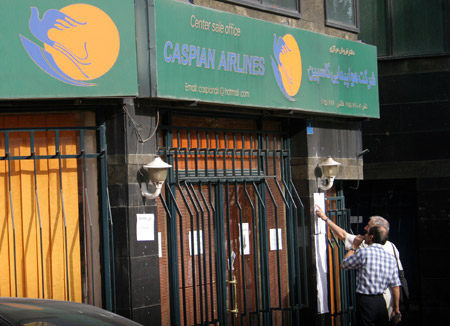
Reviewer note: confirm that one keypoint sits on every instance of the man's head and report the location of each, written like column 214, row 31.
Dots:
column 377, row 220
column 377, row 234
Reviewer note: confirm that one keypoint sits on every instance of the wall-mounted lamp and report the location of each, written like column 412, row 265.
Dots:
column 330, row 169
column 157, row 172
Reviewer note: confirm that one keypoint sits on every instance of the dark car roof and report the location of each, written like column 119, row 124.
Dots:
column 45, row 312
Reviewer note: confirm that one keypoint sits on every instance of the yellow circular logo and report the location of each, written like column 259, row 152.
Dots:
column 80, row 43
column 287, row 65
column 93, row 46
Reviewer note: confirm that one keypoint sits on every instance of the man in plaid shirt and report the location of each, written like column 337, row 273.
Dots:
column 375, row 271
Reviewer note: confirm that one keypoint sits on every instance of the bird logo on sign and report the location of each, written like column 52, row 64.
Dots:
column 78, row 43
column 287, row 65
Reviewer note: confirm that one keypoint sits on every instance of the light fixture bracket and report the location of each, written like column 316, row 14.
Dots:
column 157, row 172
column 329, row 169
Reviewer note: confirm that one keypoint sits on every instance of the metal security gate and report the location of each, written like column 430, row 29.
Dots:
column 55, row 211
column 341, row 282
column 235, row 228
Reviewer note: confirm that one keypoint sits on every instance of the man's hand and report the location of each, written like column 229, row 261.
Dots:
column 337, row 230
column 358, row 240
column 396, row 317
column 320, row 213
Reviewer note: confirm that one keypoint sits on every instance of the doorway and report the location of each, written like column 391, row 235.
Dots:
column 54, row 203
column 233, row 225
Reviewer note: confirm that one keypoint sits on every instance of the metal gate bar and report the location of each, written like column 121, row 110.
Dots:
column 255, row 258
column 11, row 209
column 230, row 262
column 182, row 260
column 201, row 226
column 113, row 267
column 298, row 268
column 343, row 280
column 190, row 181
column 87, row 209
column 189, row 192
column 274, row 203
column 265, row 290
column 82, row 155
column 241, row 243
column 210, row 230
column 173, row 255
column 58, row 154
column 199, row 212
column 33, row 154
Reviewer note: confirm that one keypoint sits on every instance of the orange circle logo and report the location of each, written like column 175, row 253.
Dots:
column 287, row 65
column 80, row 43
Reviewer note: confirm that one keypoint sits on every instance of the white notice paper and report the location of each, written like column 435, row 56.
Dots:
column 197, row 245
column 273, row 240
column 246, row 240
column 159, row 245
column 145, row 227
column 320, row 239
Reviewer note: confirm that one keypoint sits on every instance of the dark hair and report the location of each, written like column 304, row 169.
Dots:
column 379, row 234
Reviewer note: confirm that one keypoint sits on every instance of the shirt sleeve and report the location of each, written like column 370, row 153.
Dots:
column 395, row 280
column 349, row 238
column 353, row 261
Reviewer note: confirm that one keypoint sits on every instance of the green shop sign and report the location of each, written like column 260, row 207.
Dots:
column 211, row 56
column 60, row 49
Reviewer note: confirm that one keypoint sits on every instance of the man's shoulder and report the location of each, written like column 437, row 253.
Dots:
column 384, row 252
column 376, row 247
column 390, row 247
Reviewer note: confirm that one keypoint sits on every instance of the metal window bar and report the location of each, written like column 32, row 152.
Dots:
column 82, row 156
column 206, row 174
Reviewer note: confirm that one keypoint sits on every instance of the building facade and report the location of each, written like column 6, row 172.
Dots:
column 243, row 99
column 406, row 170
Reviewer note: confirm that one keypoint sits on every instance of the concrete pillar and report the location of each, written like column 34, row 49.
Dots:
column 136, row 262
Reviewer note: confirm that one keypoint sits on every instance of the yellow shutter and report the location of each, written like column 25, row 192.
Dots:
column 28, row 263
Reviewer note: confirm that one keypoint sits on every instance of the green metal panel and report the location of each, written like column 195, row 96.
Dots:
column 212, row 56
column 399, row 28
column 374, row 24
column 418, row 29
column 55, row 49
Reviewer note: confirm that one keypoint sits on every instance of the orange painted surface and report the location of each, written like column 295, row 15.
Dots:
column 24, row 208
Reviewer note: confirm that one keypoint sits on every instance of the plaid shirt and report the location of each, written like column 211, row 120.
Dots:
column 376, row 270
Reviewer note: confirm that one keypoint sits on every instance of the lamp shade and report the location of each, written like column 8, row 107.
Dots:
column 330, row 168
column 157, row 170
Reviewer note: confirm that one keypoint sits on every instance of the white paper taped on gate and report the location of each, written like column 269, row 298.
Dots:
column 320, row 241
column 198, row 246
column 159, row 245
column 246, row 238
column 145, row 227
column 273, row 240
